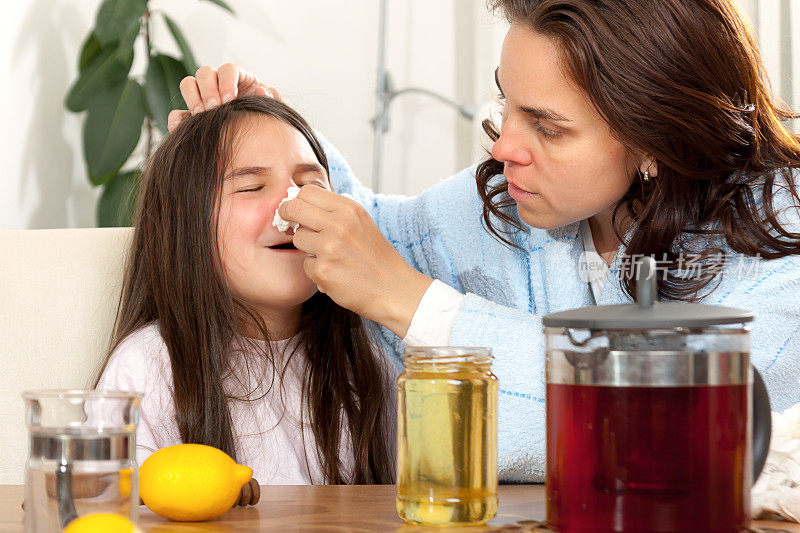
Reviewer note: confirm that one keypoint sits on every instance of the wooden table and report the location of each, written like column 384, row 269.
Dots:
column 336, row 508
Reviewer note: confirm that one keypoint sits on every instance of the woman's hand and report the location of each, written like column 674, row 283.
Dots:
column 351, row 261
column 209, row 88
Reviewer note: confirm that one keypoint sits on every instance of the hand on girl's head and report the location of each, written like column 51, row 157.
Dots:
column 209, row 88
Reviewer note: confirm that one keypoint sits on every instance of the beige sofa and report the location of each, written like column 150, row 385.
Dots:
column 59, row 291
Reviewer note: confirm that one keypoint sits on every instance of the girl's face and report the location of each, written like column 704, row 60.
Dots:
column 261, row 265
column 560, row 159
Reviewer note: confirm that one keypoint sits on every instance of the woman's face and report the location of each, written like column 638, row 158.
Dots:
column 269, row 156
column 560, row 158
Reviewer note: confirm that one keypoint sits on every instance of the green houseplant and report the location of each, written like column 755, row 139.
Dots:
column 120, row 106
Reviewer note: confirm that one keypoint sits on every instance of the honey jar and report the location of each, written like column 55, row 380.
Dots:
column 447, row 436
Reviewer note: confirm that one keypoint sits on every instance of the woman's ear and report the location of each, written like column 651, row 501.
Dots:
column 649, row 164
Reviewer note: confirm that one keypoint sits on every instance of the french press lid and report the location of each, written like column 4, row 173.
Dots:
column 647, row 312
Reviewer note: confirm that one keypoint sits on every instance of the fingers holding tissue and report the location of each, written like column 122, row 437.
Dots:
column 277, row 221
column 350, row 259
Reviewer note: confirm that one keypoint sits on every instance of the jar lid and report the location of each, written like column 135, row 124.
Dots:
column 647, row 312
column 443, row 355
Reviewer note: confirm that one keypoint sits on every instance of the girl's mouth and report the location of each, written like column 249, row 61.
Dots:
column 285, row 246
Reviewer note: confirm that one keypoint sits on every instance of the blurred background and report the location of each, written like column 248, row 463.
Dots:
column 322, row 53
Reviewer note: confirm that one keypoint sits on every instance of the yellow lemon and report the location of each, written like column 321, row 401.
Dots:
column 100, row 523
column 191, row 482
column 125, row 482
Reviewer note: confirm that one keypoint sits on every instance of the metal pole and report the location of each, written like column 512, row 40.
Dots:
column 379, row 123
column 385, row 93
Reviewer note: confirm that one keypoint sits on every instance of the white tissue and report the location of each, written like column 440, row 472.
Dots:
column 777, row 490
column 277, row 221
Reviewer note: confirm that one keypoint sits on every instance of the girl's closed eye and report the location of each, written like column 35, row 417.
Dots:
column 250, row 188
column 316, row 183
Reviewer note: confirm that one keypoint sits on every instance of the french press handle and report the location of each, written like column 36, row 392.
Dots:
column 762, row 424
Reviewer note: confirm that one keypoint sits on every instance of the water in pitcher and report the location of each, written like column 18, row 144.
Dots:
column 54, row 491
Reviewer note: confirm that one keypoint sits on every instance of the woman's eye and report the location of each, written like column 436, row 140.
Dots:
column 546, row 132
column 251, row 189
column 501, row 97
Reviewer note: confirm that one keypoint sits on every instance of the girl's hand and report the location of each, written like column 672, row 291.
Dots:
column 351, row 261
column 209, row 88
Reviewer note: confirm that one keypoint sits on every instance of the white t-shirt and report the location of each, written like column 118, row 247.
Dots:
column 599, row 276
column 267, row 431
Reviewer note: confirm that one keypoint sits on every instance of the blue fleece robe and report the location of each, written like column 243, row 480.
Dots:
column 508, row 291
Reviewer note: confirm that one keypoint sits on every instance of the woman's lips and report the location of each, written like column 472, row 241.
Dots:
column 520, row 194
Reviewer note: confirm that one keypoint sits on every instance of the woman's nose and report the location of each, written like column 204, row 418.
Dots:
column 509, row 148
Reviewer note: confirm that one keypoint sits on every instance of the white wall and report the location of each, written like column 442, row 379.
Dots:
column 777, row 26
column 322, row 53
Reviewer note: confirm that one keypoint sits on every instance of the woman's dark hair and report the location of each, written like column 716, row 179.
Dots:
column 681, row 82
column 174, row 276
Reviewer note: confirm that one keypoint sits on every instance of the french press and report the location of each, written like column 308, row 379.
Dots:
column 656, row 420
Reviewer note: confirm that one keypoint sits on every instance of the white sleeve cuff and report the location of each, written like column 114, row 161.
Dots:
column 435, row 316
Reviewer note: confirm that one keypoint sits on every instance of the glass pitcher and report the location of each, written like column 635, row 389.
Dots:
column 82, row 456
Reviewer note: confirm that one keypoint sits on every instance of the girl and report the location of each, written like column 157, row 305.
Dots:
column 629, row 127
column 229, row 340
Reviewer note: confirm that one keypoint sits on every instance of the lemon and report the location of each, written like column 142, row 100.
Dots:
column 100, row 523
column 125, row 482
column 191, row 482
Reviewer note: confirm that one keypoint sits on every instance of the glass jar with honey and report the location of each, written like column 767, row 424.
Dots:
column 447, row 436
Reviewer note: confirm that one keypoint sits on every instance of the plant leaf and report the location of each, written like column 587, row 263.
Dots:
column 161, row 89
column 223, row 5
column 115, row 17
column 90, row 49
column 102, row 70
column 126, row 42
column 112, row 129
column 117, row 203
column 188, row 58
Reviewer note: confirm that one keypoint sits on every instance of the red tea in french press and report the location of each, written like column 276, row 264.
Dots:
column 652, row 417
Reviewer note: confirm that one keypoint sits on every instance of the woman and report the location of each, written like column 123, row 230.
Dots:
column 221, row 329
column 629, row 127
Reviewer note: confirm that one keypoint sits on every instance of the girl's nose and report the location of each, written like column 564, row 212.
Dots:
column 509, row 148
column 283, row 191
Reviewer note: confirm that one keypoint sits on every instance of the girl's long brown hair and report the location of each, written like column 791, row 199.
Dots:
column 680, row 81
column 174, row 276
